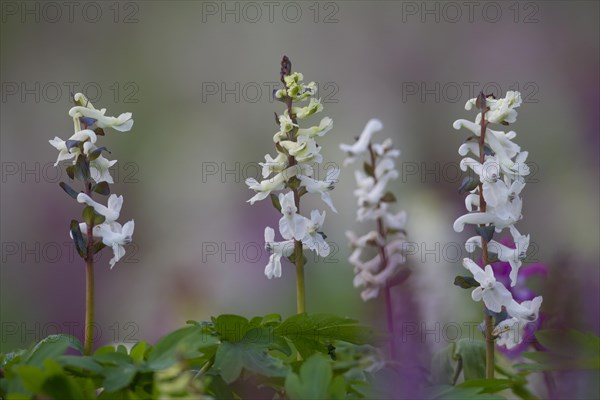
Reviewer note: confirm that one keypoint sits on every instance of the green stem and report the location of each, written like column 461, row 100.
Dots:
column 89, row 284
column 489, row 320
column 286, row 69
column 300, row 297
column 89, row 307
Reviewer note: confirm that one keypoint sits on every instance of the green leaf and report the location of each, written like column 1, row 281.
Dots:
column 118, row 377
column 82, row 362
column 101, row 188
column 64, row 387
column 442, row 366
column 88, row 215
column 51, row 347
column 567, row 350
column 271, row 319
column 313, row 382
column 82, row 168
column 468, row 184
column 96, row 153
column 486, row 232
column 275, row 201
column 388, row 198
column 98, row 245
column 80, row 244
column 138, row 351
column 231, row 327
column 69, row 190
column 466, row 282
column 31, row 377
column 73, row 143
column 310, row 334
column 71, row 171
column 472, row 353
column 449, row 392
column 186, row 342
column 488, row 385
column 294, row 183
column 369, row 169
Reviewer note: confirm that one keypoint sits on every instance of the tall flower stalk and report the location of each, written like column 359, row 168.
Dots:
column 494, row 204
column 388, row 238
column 291, row 173
column 99, row 228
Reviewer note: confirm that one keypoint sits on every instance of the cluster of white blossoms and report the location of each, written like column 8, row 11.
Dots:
column 292, row 168
column 389, row 239
column 93, row 168
column 500, row 177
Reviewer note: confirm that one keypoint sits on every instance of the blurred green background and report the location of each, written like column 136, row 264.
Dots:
column 198, row 76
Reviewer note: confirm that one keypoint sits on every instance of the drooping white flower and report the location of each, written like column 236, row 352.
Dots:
column 273, row 165
column 322, row 187
column 277, row 182
column 500, row 110
column 388, row 240
column 116, row 236
column 314, row 238
column 512, row 256
column 277, row 250
column 313, row 107
column 362, row 144
column 110, row 212
column 510, row 332
column 304, row 150
column 85, row 135
column 122, row 123
column 291, row 225
column 493, row 293
column 324, row 126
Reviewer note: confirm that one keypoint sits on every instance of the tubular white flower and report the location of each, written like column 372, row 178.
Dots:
column 277, row 182
column 84, row 135
column 122, row 123
column 510, row 332
column 493, row 293
column 273, row 165
column 324, row 126
column 296, row 146
column 361, row 145
column 322, row 187
column 291, row 225
column 116, row 236
column 111, row 213
column 314, row 239
column 277, row 250
column 375, row 273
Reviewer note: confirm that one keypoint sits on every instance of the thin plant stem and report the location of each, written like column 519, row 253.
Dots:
column 88, row 337
column 389, row 310
column 300, row 298
column 286, row 69
column 489, row 320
